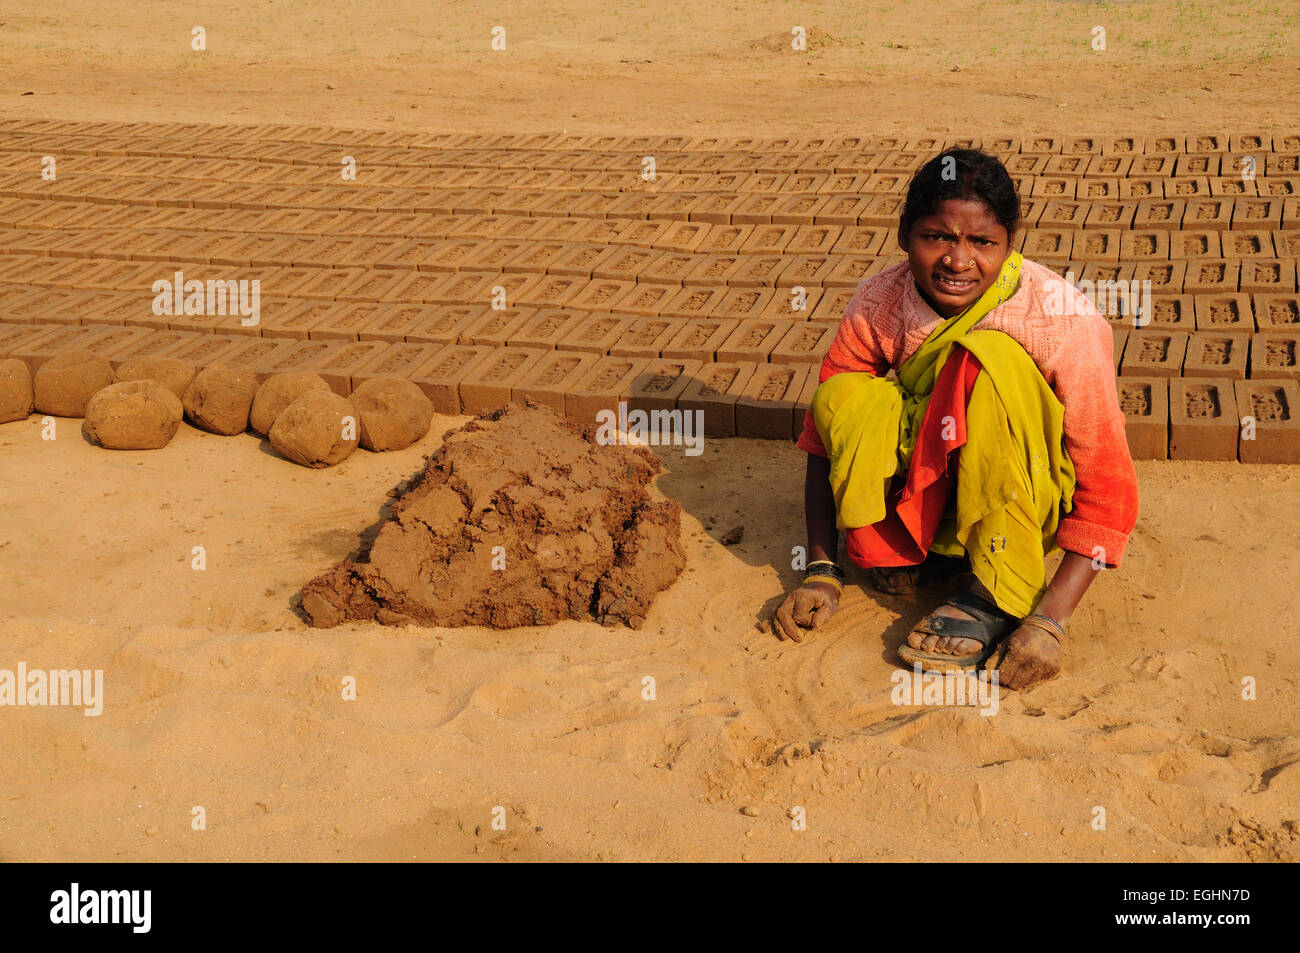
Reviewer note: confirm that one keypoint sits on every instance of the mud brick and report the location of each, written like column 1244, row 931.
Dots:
column 14, row 337
column 759, row 271
column 1273, row 407
column 1170, row 312
column 725, row 239
column 534, row 257
column 766, row 406
column 717, row 208
column 1194, row 166
column 669, row 267
column 545, row 329
column 1215, row 354
column 1047, row 242
column 1144, row 402
column 1109, row 166
column 851, row 270
column 1154, row 353
column 393, row 322
column 1053, row 187
column 744, row 303
column 1138, row 188
column 294, row 356
column 1210, row 213
column 1110, row 214
column 39, row 348
column 698, row 338
column 813, row 239
column 1162, row 276
column 338, row 365
column 1098, row 190
column 1277, row 312
column 1119, row 337
column 1154, row 165
column 550, row 291
column 1159, row 214
column 807, row 209
column 394, row 360
column 695, row 302
column 582, row 260
column 1247, row 244
column 626, row 263
column 833, row 305
column 1231, row 186
column 1263, row 212
column 1268, row 275
column 1145, row 245
column 677, row 236
column 756, row 209
column 1097, row 244
column 1275, row 355
column 645, row 337
column 808, row 270
column 462, row 287
column 1286, row 142
column 344, row 322
column 649, row 299
column 861, row 240
column 883, row 183
column 602, row 295
column 489, row 387
column 851, row 183
column 881, row 210
column 602, row 387
column 142, row 342
column 1203, row 420
column 1291, row 212
column 1064, row 213
column 596, row 333
column 322, row 284
column 495, row 328
column 252, row 352
column 207, row 349
column 460, row 254
column 560, row 229
column 805, row 343
column 754, row 339
column 1201, row 243
column 40, row 305
column 1208, row 276
column 768, row 239
column 661, row 383
column 676, row 206
column 297, row 319
column 715, row 270
column 441, row 376
column 1206, row 143
column 1224, row 312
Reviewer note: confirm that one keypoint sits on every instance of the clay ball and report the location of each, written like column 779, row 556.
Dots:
column 277, row 393
column 65, row 382
column 318, row 429
column 133, row 415
column 15, row 391
column 394, row 413
column 219, row 398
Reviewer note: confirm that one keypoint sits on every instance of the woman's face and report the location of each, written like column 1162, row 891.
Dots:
column 956, row 253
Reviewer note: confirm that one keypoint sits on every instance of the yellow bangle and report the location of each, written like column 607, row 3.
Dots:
column 829, row 580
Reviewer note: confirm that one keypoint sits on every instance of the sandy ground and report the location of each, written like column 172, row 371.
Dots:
column 219, row 697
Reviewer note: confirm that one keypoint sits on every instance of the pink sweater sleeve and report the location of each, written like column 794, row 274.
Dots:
column 1104, row 512
column 855, row 348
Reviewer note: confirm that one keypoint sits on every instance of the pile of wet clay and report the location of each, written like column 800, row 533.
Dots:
column 520, row 518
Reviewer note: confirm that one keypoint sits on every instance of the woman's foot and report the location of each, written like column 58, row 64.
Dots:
column 958, row 635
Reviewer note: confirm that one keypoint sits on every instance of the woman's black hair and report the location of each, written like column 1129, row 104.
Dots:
column 961, row 174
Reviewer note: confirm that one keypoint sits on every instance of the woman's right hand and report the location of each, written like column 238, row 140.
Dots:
column 807, row 607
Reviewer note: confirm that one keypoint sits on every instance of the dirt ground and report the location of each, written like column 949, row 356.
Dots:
column 219, row 697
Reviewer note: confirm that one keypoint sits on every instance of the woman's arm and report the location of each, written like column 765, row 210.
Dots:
column 1064, row 592
column 819, row 510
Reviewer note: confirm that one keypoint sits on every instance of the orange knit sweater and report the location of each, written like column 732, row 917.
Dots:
column 887, row 320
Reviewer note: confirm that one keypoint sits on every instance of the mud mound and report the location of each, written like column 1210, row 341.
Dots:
column 279, row 391
column 394, row 413
column 172, row 373
column 218, row 399
column 519, row 519
column 316, row 430
column 15, row 391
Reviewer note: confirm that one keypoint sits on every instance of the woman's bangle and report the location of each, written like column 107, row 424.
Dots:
column 824, row 578
column 1049, row 625
column 825, row 567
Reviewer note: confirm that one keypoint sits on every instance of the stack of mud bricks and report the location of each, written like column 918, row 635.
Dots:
column 669, row 273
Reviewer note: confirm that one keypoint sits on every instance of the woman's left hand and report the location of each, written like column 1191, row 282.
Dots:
column 1028, row 656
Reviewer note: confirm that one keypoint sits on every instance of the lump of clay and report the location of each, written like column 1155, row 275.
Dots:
column 133, row 415
column 519, row 519
column 319, row 429
column 171, row 372
column 279, row 391
column 65, row 382
column 394, row 413
column 15, row 391
column 218, row 399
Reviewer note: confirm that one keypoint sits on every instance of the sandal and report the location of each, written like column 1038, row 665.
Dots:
column 905, row 580
column 988, row 626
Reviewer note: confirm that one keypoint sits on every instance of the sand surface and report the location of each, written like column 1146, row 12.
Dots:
column 219, row 697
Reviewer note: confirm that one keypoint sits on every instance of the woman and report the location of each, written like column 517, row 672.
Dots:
column 1001, row 440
